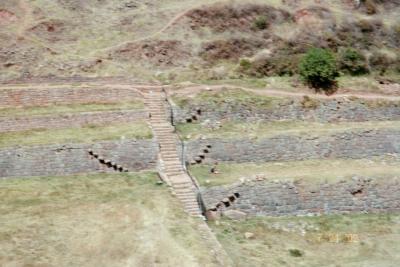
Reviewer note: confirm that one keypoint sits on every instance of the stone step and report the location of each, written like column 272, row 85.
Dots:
column 172, row 163
column 182, row 185
column 184, row 191
column 174, row 169
column 171, row 157
column 169, row 151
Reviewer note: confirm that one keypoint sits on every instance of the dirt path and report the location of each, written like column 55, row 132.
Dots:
column 194, row 89
column 26, row 20
column 166, row 27
column 269, row 92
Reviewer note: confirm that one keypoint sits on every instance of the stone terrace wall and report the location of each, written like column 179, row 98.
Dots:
column 282, row 198
column 360, row 144
column 8, row 124
column 25, row 97
column 74, row 158
column 326, row 111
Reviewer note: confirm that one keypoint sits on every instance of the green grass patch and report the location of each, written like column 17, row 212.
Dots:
column 310, row 171
column 137, row 130
column 96, row 220
column 346, row 240
column 76, row 108
column 233, row 130
column 230, row 96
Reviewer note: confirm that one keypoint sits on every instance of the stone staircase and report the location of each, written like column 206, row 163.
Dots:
column 183, row 186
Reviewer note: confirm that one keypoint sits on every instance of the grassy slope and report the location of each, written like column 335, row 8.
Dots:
column 96, row 220
column 322, row 241
column 137, row 130
column 312, row 171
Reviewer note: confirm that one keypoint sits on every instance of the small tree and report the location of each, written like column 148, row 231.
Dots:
column 318, row 68
column 353, row 62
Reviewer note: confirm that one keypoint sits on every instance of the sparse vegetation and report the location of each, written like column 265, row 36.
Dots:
column 96, row 220
column 373, row 240
column 318, row 68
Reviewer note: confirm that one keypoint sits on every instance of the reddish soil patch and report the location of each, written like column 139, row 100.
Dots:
column 222, row 18
column 159, row 53
column 231, row 49
column 7, row 16
column 311, row 14
column 52, row 30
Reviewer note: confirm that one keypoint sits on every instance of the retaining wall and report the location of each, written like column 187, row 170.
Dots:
column 25, row 97
column 8, row 124
column 282, row 198
column 355, row 144
column 334, row 110
column 134, row 155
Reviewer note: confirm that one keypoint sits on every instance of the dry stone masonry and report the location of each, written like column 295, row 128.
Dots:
column 74, row 158
column 354, row 144
column 266, row 198
column 334, row 110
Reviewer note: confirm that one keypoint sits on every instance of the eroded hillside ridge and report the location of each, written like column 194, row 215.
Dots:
column 174, row 40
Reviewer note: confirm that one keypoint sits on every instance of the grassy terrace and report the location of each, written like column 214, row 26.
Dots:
column 96, row 220
column 313, row 171
column 349, row 240
column 137, row 130
column 270, row 129
column 76, row 108
column 236, row 96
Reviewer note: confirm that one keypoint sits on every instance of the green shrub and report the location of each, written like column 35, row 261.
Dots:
column 318, row 68
column 353, row 62
column 295, row 253
column 261, row 23
column 245, row 64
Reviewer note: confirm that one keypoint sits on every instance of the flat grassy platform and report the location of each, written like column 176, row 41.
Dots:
column 137, row 130
column 311, row 171
column 96, row 220
column 191, row 131
column 351, row 241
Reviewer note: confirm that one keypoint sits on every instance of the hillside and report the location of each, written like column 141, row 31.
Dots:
column 174, row 41
column 199, row 133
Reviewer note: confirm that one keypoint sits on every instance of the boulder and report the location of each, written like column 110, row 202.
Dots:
column 235, row 215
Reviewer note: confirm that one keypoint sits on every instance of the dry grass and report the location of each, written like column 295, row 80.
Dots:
column 96, row 220
column 310, row 171
column 320, row 241
column 269, row 129
column 89, row 134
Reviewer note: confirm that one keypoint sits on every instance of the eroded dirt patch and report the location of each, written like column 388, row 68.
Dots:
column 230, row 49
column 222, row 18
column 160, row 53
column 52, row 30
column 7, row 17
